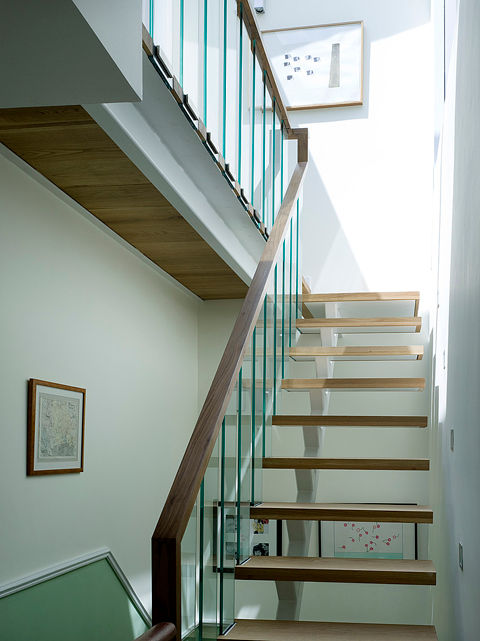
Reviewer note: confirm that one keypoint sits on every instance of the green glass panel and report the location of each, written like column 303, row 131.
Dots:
column 228, row 504
column 257, row 141
column 240, row 95
column 205, row 60
column 189, row 554
column 209, row 520
column 89, row 602
column 274, row 118
column 224, row 83
column 264, row 150
column 182, row 29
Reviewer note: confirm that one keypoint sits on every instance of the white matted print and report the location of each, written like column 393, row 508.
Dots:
column 319, row 66
column 56, row 418
column 359, row 540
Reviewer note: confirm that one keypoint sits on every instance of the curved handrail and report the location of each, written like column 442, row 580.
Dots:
column 166, row 540
column 159, row 632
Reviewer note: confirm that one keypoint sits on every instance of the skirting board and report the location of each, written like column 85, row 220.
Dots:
column 74, row 564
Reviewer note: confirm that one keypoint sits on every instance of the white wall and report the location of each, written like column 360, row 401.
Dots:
column 457, row 370
column 366, row 219
column 79, row 308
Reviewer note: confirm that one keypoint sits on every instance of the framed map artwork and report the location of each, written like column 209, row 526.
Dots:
column 55, row 430
column 318, row 66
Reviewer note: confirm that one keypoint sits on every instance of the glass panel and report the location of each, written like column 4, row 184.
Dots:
column 228, row 520
column 213, row 84
column 209, row 520
column 267, row 177
column 230, row 117
column 191, row 54
column 247, row 110
column 244, row 450
column 166, row 25
column 277, row 148
column 189, row 550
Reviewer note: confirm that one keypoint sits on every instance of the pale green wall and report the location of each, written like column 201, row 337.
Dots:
column 79, row 308
column 87, row 604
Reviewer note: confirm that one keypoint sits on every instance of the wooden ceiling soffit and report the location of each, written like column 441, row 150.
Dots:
column 69, row 148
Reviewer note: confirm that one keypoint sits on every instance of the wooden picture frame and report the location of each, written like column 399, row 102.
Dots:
column 318, row 66
column 55, row 428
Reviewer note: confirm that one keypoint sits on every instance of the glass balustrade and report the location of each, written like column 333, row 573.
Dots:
column 220, row 532
column 203, row 51
column 206, row 47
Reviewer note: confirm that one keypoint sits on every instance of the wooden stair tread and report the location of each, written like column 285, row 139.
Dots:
column 262, row 630
column 287, row 420
column 343, row 512
column 352, row 297
column 316, row 569
column 397, row 321
column 346, row 351
column 353, row 383
column 323, row 463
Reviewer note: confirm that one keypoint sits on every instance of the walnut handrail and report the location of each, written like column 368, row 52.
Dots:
column 166, row 540
column 160, row 632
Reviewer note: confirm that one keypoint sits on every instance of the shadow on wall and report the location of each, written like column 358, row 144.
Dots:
column 327, row 255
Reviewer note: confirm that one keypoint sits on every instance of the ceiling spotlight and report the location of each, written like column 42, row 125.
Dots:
column 259, row 6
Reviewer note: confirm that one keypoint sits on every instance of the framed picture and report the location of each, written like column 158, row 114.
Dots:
column 359, row 540
column 319, row 66
column 56, row 426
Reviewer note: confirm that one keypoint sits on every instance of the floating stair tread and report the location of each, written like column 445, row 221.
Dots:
column 323, row 463
column 261, row 630
column 343, row 512
column 331, row 570
column 398, row 321
column 346, row 351
column 353, row 383
column 324, row 420
column 353, row 297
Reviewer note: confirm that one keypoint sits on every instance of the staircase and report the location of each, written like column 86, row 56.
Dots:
column 291, row 571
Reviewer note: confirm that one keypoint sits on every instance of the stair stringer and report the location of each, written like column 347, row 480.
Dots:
column 299, row 532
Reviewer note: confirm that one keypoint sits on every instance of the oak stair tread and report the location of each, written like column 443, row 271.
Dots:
column 353, row 297
column 343, row 512
column 356, row 351
column 263, row 630
column 397, row 321
column 328, row 420
column 333, row 570
column 353, row 383
column 324, row 463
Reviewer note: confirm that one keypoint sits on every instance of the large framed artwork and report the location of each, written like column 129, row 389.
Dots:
column 374, row 540
column 319, row 66
column 55, row 430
